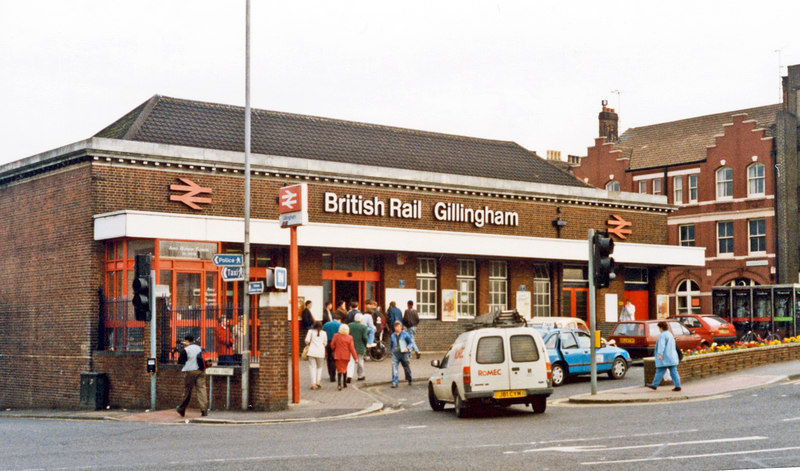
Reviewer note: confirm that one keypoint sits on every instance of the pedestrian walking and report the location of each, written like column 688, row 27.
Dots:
column 410, row 321
column 343, row 350
column 628, row 311
column 341, row 311
column 369, row 320
column 327, row 314
column 331, row 329
column 194, row 375
column 393, row 314
column 306, row 320
column 667, row 359
column 317, row 340
column 351, row 314
column 401, row 345
column 358, row 330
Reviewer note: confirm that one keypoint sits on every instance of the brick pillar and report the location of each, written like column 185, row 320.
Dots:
column 270, row 382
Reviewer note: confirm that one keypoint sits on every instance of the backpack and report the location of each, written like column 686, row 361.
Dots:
column 680, row 353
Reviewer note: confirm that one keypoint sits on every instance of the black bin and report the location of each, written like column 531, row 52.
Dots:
column 94, row 390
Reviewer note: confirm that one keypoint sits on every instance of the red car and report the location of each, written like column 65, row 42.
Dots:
column 639, row 337
column 712, row 328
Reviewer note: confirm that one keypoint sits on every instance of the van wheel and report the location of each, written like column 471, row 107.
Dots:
column 559, row 375
column 435, row 403
column 539, row 404
column 618, row 368
column 461, row 409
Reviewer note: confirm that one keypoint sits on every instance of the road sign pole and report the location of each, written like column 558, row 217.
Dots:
column 293, row 280
column 246, row 300
column 592, row 313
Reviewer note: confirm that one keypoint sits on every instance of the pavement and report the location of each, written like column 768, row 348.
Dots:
column 328, row 403
column 750, row 378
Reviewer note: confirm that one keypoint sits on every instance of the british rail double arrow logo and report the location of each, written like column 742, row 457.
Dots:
column 190, row 198
column 617, row 226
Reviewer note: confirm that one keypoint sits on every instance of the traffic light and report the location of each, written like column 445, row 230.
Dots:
column 141, row 288
column 602, row 248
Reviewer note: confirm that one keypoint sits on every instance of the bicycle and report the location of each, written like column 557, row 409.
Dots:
column 751, row 336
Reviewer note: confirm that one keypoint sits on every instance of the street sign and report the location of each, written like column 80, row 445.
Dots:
column 255, row 287
column 281, row 280
column 233, row 273
column 228, row 260
column 293, row 205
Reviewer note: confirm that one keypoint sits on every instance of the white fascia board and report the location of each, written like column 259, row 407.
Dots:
column 212, row 229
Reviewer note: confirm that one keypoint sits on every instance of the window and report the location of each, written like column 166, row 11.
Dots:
column 584, row 341
column 688, row 295
column 426, row 287
column 642, row 186
column 523, row 349
column 551, row 342
column 677, row 190
column 541, row 291
column 692, row 188
column 656, row 186
column 725, row 237
column 724, row 182
column 612, row 185
column 498, row 285
column 567, row 341
column 465, row 281
column 686, row 235
column 758, row 235
column 755, row 179
column 490, row 350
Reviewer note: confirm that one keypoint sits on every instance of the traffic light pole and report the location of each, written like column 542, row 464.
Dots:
column 153, row 338
column 592, row 313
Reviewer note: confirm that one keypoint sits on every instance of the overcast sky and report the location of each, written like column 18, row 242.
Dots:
column 528, row 71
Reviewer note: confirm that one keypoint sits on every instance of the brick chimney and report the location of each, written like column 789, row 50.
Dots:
column 608, row 123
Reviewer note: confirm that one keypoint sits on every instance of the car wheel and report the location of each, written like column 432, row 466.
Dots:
column 559, row 375
column 461, row 410
column 539, row 404
column 618, row 368
column 435, row 403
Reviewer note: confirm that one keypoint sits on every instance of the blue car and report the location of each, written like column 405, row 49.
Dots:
column 568, row 350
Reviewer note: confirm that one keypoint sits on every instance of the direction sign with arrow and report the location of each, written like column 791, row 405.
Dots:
column 233, row 273
column 228, row 260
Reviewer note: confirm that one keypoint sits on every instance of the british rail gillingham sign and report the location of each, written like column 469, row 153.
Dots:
column 402, row 209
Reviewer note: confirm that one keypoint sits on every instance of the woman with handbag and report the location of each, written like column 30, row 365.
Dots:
column 316, row 339
column 343, row 349
column 667, row 358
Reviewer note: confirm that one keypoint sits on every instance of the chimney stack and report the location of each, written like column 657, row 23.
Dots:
column 608, row 123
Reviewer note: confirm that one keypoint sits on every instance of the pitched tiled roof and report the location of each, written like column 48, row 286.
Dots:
column 683, row 141
column 207, row 125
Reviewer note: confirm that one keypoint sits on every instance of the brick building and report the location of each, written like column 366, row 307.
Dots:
column 720, row 171
column 457, row 224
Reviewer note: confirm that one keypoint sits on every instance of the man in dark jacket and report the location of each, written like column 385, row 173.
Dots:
column 394, row 314
column 411, row 320
column 358, row 331
column 306, row 321
column 351, row 315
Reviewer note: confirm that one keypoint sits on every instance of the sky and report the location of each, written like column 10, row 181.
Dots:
column 533, row 72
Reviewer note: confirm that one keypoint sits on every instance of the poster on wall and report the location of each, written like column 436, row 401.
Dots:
column 612, row 307
column 449, row 305
column 662, row 306
column 524, row 304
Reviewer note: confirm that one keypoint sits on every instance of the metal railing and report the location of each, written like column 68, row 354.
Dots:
column 217, row 329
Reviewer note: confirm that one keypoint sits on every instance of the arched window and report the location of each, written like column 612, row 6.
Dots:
column 688, row 296
column 613, row 185
column 755, row 179
column 741, row 282
column 724, row 182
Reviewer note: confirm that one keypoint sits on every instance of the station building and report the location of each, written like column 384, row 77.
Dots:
column 459, row 225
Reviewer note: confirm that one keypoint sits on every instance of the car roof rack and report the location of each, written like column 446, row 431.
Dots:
column 498, row 318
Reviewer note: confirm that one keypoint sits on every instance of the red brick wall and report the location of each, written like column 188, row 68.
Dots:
column 49, row 276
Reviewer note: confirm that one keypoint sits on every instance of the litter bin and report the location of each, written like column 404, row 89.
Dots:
column 94, row 390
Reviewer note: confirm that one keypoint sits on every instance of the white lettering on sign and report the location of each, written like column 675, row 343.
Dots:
column 398, row 208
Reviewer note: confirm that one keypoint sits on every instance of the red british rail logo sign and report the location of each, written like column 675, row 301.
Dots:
column 190, row 196
column 618, row 226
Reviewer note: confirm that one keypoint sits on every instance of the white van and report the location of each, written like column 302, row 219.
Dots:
column 493, row 365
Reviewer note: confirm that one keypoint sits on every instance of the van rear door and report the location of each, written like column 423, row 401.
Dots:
column 490, row 371
column 526, row 371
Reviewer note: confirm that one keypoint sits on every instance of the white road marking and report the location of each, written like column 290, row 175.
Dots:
column 417, row 403
column 687, row 457
column 567, row 440
column 574, row 449
column 410, row 427
column 791, row 420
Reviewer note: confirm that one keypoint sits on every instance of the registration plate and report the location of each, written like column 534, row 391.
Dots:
column 508, row 394
column 627, row 340
column 723, row 331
